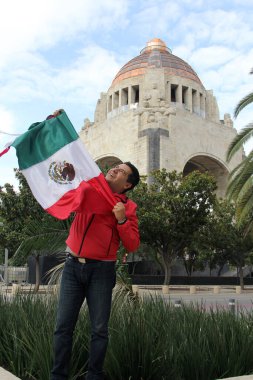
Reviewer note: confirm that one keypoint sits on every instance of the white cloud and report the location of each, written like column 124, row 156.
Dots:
column 212, row 56
column 6, row 123
column 214, row 27
column 79, row 82
column 231, row 81
column 8, row 162
column 28, row 73
column 23, row 78
column 156, row 18
column 230, row 28
column 245, row 3
column 91, row 74
column 29, row 25
column 228, row 78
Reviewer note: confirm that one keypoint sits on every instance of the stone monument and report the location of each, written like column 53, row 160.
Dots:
column 158, row 114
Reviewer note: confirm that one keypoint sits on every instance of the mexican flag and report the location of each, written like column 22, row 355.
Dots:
column 55, row 164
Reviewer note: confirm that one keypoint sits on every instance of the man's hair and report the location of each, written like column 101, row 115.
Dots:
column 134, row 177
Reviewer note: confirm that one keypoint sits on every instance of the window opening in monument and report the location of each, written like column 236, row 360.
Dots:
column 124, row 96
column 135, row 94
column 173, row 93
column 116, row 100
column 110, row 104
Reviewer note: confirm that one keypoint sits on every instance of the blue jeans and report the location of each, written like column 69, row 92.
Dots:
column 93, row 281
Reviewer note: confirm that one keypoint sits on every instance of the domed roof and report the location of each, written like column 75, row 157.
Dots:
column 156, row 55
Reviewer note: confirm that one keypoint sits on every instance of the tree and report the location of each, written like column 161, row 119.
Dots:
column 240, row 187
column 216, row 238
column 17, row 209
column 192, row 256
column 27, row 228
column 171, row 210
column 42, row 239
column 223, row 241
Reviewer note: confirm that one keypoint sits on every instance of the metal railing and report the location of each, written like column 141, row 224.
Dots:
column 12, row 274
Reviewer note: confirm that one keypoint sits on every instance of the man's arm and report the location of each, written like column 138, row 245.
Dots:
column 127, row 225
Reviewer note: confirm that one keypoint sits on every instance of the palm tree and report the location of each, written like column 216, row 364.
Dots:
column 42, row 239
column 240, row 188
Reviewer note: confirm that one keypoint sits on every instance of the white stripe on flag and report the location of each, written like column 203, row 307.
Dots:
column 45, row 180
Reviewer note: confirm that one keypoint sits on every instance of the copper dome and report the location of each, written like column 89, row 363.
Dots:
column 156, row 55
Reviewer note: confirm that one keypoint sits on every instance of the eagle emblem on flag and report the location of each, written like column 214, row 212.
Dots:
column 61, row 172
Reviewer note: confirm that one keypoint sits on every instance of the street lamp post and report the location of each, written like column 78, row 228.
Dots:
column 6, row 266
column 6, row 254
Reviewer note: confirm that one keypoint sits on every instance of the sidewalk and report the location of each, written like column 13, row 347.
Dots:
column 250, row 377
column 4, row 375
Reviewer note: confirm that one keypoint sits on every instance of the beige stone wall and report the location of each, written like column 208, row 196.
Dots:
column 174, row 121
column 191, row 135
column 117, row 137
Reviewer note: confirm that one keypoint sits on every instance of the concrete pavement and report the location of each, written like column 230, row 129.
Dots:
column 5, row 375
column 250, row 377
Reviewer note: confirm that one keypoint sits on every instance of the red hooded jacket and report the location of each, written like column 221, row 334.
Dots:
column 95, row 232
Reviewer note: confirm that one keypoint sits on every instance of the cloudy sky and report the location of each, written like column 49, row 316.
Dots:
column 63, row 54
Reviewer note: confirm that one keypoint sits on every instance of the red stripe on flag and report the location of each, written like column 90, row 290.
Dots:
column 93, row 196
column 5, row 151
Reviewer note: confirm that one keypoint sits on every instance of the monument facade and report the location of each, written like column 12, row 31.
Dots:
column 158, row 114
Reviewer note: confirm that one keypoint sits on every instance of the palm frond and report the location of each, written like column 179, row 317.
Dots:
column 46, row 238
column 239, row 176
column 54, row 274
column 240, row 139
column 245, row 209
column 44, row 243
column 244, row 170
column 248, row 227
column 34, row 227
column 235, row 171
column 243, row 195
column 243, row 103
column 245, row 191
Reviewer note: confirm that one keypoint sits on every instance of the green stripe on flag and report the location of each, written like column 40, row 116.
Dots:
column 44, row 139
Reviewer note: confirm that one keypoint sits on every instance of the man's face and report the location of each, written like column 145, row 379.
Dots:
column 117, row 178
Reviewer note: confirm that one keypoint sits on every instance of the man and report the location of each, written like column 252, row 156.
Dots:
column 89, row 271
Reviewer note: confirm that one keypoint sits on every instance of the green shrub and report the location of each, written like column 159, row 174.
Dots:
column 149, row 340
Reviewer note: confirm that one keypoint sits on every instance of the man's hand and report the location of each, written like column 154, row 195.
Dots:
column 119, row 211
column 57, row 112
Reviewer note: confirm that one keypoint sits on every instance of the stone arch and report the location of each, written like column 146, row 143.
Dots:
column 108, row 162
column 207, row 163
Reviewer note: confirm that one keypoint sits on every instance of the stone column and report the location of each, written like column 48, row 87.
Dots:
column 153, row 135
column 179, row 94
column 109, row 103
column 196, row 102
column 120, row 97
column 169, row 91
column 189, row 101
column 115, row 100
column 202, row 105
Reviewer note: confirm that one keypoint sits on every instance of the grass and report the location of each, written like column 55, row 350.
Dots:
column 149, row 340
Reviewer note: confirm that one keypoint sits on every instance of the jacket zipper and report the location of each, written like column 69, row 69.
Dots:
column 85, row 233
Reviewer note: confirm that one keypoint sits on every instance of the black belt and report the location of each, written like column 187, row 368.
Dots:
column 82, row 260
